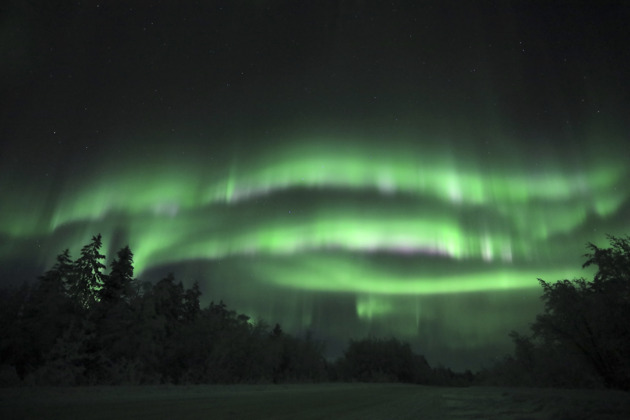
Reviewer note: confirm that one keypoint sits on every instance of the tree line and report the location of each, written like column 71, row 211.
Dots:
column 78, row 325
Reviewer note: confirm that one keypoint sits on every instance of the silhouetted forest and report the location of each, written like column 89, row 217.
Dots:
column 79, row 324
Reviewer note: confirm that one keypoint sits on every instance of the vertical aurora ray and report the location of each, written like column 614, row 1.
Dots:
column 413, row 180
column 386, row 229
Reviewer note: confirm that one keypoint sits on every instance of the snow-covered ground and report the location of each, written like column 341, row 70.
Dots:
column 321, row 401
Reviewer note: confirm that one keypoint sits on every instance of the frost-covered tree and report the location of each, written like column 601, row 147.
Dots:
column 87, row 278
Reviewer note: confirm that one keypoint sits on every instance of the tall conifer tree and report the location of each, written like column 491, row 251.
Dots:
column 117, row 285
column 87, row 279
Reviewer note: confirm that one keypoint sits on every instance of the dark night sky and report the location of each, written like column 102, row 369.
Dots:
column 348, row 167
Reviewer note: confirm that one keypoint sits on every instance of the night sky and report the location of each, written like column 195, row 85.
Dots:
column 344, row 167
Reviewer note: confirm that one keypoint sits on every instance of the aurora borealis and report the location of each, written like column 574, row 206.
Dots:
column 307, row 169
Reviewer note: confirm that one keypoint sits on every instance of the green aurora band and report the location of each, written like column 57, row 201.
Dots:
column 387, row 225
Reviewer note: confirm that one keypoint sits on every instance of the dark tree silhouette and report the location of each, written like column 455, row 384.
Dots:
column 582, row 338
column 114, row 319
column 383, row 360
column 78, row 326
column 118, row 285
column 54, row 281
column 594, row 317
column 191, row 308
column 16, row 347
column 44, row 315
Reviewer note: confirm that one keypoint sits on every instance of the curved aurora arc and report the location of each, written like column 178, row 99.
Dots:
column 389, row 227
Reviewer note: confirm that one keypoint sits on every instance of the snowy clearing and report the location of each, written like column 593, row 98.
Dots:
column 319, row 401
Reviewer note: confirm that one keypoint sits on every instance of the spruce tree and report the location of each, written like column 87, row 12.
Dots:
column 117, row 285
column 53, row 282
column 87, row 279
